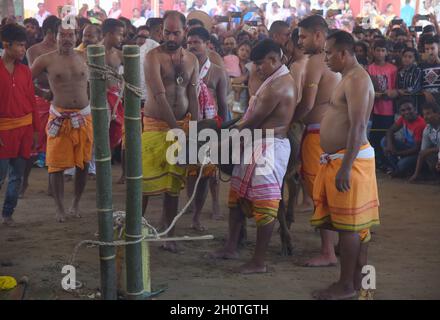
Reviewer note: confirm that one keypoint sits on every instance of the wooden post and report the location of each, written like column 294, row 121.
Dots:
column 133, row 169
column 104, row 202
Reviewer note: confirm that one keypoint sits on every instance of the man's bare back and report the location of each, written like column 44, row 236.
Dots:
column 162, row 78
column 326, row 85
column 277, row 105
column 336, row 124
column 67, row 75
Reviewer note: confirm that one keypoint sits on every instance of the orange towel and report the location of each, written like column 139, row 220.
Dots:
column 355, row 210
column 14, row 123
column 310, row 153
column 72, row 147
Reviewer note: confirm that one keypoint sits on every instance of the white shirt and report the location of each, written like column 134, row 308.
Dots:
column 41, row 19
column 115, row 14
column 144, row 49
column 140, row 22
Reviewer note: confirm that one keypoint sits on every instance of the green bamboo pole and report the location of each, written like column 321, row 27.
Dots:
column 104, row 202
column 133, row 163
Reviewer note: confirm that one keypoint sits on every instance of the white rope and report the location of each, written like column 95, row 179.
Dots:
column 156, row 236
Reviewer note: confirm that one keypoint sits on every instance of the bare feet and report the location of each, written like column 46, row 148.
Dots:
column 61, row 217
column 336, row 291
column 251, row 267
column 223, row 254
column 321, row 261
column 74, row 211
column 198, row 226
column 121, row 180
column 170, row 246
column 9, row 222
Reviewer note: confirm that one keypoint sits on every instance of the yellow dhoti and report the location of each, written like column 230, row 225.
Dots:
column 354, row 210
column 159, row 176
column 69, row 138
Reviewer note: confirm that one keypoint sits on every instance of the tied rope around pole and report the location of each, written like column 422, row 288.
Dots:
column 156, row 235
column 107, row 73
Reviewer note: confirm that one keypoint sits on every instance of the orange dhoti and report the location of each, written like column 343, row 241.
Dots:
column 355, row 210
column 310, row 154
column 69, row 138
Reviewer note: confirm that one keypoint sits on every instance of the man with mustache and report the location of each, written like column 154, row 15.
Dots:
column 171, row 77
column 70, row 134
column 212, row 93
column 319, row 85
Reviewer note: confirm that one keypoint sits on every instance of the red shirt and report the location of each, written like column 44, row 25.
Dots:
column 383, row 78
column 17, row 99
column 412, row 131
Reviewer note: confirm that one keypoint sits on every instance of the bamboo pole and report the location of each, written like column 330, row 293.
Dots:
column 104, row 202
column 133, row 163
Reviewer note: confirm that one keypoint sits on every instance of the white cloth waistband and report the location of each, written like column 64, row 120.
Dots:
column 367, row 153
column 313, row 126
column 84, row 112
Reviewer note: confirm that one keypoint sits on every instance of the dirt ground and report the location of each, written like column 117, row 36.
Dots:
column 404, row 250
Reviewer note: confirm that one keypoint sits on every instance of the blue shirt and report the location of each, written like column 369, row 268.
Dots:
column 407, row 13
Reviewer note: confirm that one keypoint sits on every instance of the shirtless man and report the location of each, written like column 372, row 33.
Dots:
column 319, row 85
column 70, row 135
column 298, row 72
column 345, row 189
column 43, row 96
column 213, row 105
column 171, row 76
column 113, row 32
column 272, row 108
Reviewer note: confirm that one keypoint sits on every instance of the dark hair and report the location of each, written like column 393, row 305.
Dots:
column 154, row 22
column 380, row 44
column 428, row 28
column 277, row 26
column 400, row 32
column 51, row 24
column 174, row 13
column 195, row 22
column 405, row 100
column 358, row 30
column 13, row 32
column 343, row 41
column 295, row 37
column 363, row 45
column 244, row 43
column 431, row 39
column 414, row 51
column 431, row 106
column 142, row 28
column 200, row 32
column 241, row 34
column 314, row 23
column 110, row 25
column 32, row 21
column 82, row 22
column 263, row 48
column 96, row 28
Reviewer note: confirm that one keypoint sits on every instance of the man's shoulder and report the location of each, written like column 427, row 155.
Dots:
column 148, row 45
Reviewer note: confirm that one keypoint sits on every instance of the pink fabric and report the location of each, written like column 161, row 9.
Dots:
column 232, row 65
column 384, row 78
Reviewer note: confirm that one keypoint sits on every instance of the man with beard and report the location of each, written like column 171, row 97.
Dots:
column 43, row 96
column 319, row 85
column 212, row 93
column 70, row 133
column 171, row 76
column 92, row 34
